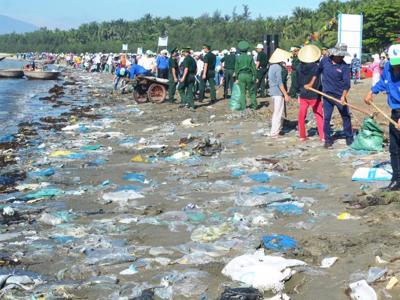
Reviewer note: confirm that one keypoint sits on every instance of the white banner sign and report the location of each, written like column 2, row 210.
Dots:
column 350, row 33
column 124, row 47
column 139, row 51
column 163, row 41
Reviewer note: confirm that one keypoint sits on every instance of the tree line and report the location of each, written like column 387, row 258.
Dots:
column 381, row 27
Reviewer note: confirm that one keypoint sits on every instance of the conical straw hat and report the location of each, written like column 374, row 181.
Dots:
column 279, row 56
column 309, row 54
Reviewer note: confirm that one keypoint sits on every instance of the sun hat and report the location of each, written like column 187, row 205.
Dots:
column 225, row 51
column 394, row 54
column 186, row 49
column 260, row 46
column 164, row 51
column 279, row 56
column 339, row 50
column 243, row 46
column 197, row 53
column 232, row 50
column 309, row 54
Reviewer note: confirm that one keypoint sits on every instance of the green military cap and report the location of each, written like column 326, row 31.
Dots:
column 243, row 46
column 207, row 46
column 174, row 50
column 186, row 49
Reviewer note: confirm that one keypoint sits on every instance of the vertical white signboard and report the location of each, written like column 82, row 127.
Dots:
column 350, row 33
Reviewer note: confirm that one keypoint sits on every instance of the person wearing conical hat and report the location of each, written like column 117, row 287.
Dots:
column 246, row 74
column 186, row 83
column 228, row 67
column 309, row 57
column 262, row 69
column 336, row 83
column 277, row 90
column 208, row 74
column 390, row 83
column 295, row 64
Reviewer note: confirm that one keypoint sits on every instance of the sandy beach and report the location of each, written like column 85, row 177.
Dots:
column 142, row 188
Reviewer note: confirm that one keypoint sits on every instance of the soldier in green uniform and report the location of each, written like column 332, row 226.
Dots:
column 186, row 83
column 262, row 69
column 228, row 66
column 208, row 74
column 173, row 72
column 293, row 76
column 246, row 75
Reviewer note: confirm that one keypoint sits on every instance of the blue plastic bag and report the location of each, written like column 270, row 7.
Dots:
column 40, row 173
column 260, row 177
column 134, row 177
column 278, row 242
column 262, row 190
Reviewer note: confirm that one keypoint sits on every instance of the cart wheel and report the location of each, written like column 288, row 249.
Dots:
column 157, row 93
column 139, row 98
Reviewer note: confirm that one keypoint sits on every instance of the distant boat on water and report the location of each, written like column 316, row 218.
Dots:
column 11, row 73
column 43, row 75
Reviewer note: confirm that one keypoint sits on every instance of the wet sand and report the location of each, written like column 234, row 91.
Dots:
column 164, row 217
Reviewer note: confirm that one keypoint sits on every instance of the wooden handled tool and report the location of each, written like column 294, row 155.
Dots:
column 340, row 102
column 385, row 115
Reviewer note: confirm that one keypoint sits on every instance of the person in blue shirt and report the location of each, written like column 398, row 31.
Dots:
column 120, row 72
column 336, row 83
column 162, row 64
column 390, row 83
column 138, row 70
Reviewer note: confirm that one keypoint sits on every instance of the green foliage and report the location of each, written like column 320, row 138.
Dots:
column 380, row 29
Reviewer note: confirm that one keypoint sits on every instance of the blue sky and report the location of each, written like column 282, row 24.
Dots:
column 71, row 13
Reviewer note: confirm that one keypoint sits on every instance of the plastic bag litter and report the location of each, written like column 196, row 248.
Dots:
column 360, row 290
column 241, row 293
column 278, row 242
column 261, row 271
column 262, row 190
column 122, row 196
column 211, row 233
column 39, row 173
column 249, row 199
column 44, row 193
column 259, row 177
column 328, row 262
column 61, row 153
column 234, row 101
column 372, row 174
column 107, row 256
column 286, row 208
column 370, row 137
column 309, row 186
column 135, row 177
column 55, row 218
column 187, row 283
column 375, row 273
column 91, row 147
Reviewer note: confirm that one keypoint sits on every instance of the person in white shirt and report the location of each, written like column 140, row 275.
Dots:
column 200, row 66
column 148, row 61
